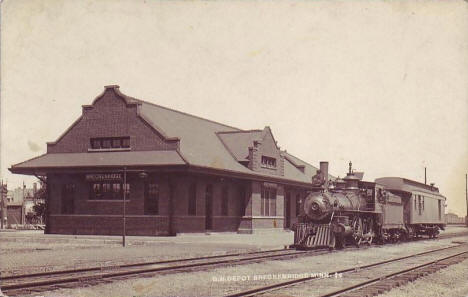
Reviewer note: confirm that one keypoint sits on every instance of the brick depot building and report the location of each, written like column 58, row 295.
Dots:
column 176, row 173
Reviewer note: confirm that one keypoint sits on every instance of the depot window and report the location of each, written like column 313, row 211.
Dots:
column 104, row 143
column 268, row 162
column 109, row 191
column 268, row 201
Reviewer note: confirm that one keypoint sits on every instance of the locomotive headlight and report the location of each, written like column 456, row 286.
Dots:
column 314, row 206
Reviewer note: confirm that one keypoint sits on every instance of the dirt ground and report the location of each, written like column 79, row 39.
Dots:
column 448, row 282
column 206, row 282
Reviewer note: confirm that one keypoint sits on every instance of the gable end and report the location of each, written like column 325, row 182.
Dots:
column 112, row 115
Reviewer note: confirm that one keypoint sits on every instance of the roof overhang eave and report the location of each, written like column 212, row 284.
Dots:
column 38, row 171
column 250, row 176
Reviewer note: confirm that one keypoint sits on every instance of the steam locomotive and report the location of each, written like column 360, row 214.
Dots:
column 351, row 211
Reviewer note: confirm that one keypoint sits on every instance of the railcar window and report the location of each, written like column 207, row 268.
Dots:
column 419, row 204
column 440, row 209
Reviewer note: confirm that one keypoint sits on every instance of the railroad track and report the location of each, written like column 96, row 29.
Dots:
column 366, row 280
column 44, row 281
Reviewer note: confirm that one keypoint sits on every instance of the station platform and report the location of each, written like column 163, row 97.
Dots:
column 27, row 251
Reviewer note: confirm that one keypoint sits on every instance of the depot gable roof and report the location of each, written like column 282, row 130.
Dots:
column 202, row 143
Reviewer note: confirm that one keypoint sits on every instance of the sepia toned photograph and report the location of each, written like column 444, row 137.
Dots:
column 233, row 148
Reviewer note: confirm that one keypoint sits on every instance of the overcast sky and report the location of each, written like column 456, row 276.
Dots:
column 383, row 84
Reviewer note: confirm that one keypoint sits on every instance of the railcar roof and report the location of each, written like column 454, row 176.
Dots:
column 407, row 185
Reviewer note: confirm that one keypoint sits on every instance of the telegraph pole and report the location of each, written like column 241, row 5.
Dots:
column 425, row 176
column 2, row 205
column 466, row 196
column 124, row 186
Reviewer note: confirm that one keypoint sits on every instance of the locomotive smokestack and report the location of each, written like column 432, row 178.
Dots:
column 324, row 170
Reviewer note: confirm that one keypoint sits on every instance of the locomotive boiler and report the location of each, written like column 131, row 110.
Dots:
column 352, row 211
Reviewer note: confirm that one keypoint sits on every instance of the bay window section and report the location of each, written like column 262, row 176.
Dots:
column 268, row 201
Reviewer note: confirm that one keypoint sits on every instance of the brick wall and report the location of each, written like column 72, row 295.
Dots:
column 196, row 223
column 108, row 225
column 266, row 147
column 108, row 214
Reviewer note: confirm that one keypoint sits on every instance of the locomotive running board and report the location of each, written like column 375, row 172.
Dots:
column 308, row 236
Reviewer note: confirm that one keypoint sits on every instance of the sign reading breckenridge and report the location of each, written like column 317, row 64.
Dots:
column 103, row 176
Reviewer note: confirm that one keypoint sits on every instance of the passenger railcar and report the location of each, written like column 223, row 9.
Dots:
column 352, row 211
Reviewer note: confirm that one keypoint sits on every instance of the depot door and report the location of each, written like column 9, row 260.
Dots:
column 209, row 207
column 68, row 199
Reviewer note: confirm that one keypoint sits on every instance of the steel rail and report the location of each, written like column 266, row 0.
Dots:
column 387, row 276
column 264, row 289
column 108, row 267
column 81, row 278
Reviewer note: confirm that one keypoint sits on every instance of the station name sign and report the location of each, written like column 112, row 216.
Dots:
column 103, row 176
column 270, row 185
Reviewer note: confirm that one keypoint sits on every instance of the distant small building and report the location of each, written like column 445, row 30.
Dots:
column 15, row 214
column 19, row 194
column 20, row 202
column 454, row 219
